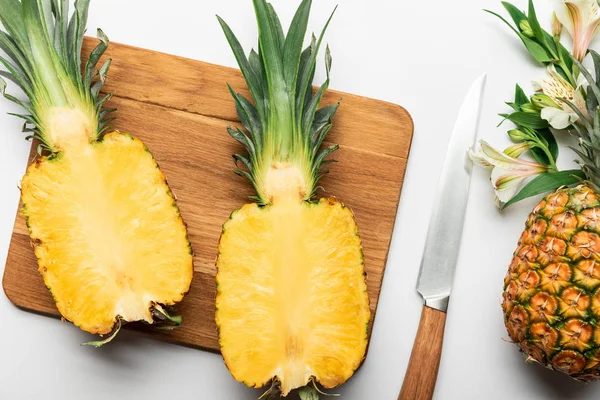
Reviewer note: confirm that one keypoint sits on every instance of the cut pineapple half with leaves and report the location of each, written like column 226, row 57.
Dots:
column 292, row 302
column 109, row 239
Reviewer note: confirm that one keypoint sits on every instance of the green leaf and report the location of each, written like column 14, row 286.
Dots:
column 307, row 72
column 516, row 14
column 75, row 31
column 551, row 141
column 12, row 50
column 248, row 116
column 17, row 75
column 308, row 393
column 588, row 77
column 550, row 43
column 321, row 157
column 528, row 120
column 305, row 58
column 538, row 32
column 311, row 109
column 12, row 20
column 102, row 73
column 323, row 117
column 520, row 96
column 278, row 28
column 269, row 39
column 45, row 7
column 293, row 44
column 256, row 66
column 240, row 158
column 244, row 140
column 596, row 58
column 252, row 80
column 534, row 48
column 94, row 57
column 546, row 183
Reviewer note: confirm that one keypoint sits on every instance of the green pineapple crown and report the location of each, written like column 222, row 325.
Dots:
column 587, row 129
column 285, row 126
column 43, row 48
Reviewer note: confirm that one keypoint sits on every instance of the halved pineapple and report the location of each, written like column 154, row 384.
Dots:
column 292, row 303
column 291, row 294
column 110, row 242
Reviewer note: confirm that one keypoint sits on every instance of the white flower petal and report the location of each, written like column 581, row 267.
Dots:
column 563, row 15
column 580, row 18
column 557, row 118
column 503, row 161
column 479, row 159
column 554, row 86
column 507, row 191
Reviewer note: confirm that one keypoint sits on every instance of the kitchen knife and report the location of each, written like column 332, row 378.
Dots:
column 441, row 250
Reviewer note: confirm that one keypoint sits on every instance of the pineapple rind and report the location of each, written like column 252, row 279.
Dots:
column 552, row 290
column 62, row 217
column 268, row 346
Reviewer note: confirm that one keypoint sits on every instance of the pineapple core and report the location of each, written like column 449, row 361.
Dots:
column 70, row 127
column 292, row 300
column 284, row 181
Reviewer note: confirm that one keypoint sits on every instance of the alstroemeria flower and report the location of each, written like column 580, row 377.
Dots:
column 581, row 18
column 508, row 173
column 559, row 115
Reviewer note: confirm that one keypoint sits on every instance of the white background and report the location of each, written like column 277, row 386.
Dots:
column 420, row 54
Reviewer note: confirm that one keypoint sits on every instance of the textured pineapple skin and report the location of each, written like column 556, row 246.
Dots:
column 552, row 290
column 256, row 344
column 116, row 255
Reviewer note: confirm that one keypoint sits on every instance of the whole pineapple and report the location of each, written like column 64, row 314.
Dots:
column 110, row 242
column 292, row 302
column 552, row 289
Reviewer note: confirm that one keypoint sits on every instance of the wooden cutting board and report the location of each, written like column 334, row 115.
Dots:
column 180, row 108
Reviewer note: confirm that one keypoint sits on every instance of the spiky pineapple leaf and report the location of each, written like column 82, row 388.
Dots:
column 285, row 124
column 307, row 73
column 292, row 50
column 253, row 81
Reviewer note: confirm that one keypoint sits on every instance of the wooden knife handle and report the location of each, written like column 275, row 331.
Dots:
column 421, row 375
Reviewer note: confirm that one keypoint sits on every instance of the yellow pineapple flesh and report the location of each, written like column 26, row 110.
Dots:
column 107, row 233
column 291, row 294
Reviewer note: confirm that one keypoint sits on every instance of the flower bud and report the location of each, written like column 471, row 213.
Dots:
column 516, row 150
column 526, row 28
column 517, row 135
column 541, row 100
column 530, row 108
column 556, row 26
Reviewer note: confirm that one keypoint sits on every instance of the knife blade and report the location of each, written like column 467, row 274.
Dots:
column 441, row 249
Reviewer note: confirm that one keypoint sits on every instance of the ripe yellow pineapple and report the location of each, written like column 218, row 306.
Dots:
column 110, row 242
column 292, row 303
column 552, row 289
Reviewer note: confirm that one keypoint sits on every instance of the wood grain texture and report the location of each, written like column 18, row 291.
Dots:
column 180, row 109
column 422, row 371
